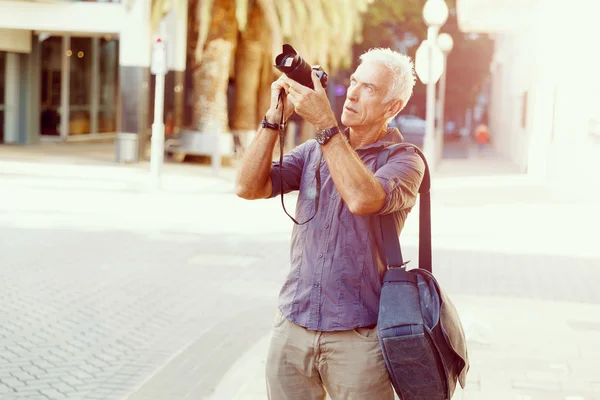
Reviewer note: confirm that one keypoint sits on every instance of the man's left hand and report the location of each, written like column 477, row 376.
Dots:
column 312, row 105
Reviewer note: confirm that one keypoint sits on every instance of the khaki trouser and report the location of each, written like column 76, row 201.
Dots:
column 303, row 364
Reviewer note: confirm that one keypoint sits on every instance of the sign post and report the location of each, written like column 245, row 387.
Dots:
column 429, row 65
column 157, row 143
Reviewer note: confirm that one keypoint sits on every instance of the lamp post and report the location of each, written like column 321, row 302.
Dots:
column 445, row 43
column 435, row 14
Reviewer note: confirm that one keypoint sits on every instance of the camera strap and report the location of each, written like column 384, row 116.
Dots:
column 317, row 173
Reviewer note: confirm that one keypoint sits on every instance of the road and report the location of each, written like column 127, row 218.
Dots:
column 111, row 291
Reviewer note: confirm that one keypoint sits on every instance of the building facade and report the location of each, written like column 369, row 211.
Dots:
column 545, row 90
column 80, row 70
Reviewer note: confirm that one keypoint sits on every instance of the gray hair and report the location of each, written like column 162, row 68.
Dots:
column 402, row 70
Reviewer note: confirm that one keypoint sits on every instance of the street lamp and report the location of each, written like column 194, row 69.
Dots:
column 445, row 43
column 435, row 14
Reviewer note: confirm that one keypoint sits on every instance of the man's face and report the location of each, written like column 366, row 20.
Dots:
column 368, row 88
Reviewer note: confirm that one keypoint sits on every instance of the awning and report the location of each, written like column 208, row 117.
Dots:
column 62, row 16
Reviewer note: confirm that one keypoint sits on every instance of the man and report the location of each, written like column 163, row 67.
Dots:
column 325, row 336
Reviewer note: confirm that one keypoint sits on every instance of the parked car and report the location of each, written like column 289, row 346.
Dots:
column 412, row 128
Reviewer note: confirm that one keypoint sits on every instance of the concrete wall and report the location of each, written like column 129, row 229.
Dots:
column 512, row 88
column 555, row 141
column 15, row 40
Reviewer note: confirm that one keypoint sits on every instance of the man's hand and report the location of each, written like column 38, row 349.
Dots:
column 312, row 105
column 274, row 113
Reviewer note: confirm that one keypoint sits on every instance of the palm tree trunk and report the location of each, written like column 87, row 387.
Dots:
column 248, row 62
column 267, row 71
column 211, row 77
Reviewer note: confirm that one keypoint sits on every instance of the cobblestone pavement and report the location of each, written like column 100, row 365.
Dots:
column 112, row 294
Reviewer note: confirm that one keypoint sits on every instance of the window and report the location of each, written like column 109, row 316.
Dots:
column 89, row 66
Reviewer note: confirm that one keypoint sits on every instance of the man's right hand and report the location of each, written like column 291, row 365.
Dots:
column 274, row 113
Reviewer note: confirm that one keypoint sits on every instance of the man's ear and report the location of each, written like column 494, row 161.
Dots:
column 394, row 108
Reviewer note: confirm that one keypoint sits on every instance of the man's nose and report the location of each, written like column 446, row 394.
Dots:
column 351, row 93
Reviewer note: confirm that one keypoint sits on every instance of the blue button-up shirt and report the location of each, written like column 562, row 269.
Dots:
column 338, row 259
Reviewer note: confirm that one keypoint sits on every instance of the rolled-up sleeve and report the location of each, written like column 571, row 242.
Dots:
column 401, row 177
column 293, row 164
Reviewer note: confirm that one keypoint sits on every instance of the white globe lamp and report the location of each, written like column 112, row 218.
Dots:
column 435, row 13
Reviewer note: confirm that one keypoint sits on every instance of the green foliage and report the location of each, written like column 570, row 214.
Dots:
column 394, row 17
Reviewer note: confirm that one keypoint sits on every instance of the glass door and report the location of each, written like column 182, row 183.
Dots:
column 51, row 81
column 80, row 86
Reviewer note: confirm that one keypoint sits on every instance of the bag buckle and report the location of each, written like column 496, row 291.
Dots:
column 399, row 266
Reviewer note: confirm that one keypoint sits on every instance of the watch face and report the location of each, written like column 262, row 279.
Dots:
column 323, row 137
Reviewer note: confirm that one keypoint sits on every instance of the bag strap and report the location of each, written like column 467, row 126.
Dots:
column 388, row 222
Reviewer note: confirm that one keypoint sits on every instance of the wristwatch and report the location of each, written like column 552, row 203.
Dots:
column 268, row 125
column 325, row 135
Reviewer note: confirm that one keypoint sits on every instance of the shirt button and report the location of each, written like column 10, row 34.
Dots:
column 316, row 285
column 320, row 255
column 326, row 225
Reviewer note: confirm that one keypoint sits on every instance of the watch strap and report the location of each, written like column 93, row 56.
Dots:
column 325, row 135
column 268, row 125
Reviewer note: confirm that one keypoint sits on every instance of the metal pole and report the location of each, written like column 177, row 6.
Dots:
column 158, row 130
column 442, row 99
column 442, row 93
column 429, row 141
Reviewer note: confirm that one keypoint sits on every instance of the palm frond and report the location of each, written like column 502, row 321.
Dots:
column 274, row 24
column 158, row 10
column 241, row 13
column 204, row 17
column 284, row 11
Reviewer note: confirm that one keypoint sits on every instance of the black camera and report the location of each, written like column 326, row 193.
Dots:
column 291, row 63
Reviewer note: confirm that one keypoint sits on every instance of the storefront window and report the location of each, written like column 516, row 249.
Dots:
column 91, row 65
column 51, row 85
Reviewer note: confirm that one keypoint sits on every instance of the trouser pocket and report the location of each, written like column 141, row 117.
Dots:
column 279, row 319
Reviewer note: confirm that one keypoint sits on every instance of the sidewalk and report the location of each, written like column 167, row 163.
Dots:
column 496, row 237
column 96, row 162
column 512, row 347
column 521, row 348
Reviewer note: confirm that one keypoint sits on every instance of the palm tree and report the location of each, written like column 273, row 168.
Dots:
column 252, row 62
column 213, row 58
column 240, row 38
column 260, row 38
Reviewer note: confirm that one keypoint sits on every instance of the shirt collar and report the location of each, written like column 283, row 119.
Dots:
column 392, row 136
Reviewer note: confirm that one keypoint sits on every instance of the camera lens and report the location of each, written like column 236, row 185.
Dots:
column 290, row 63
